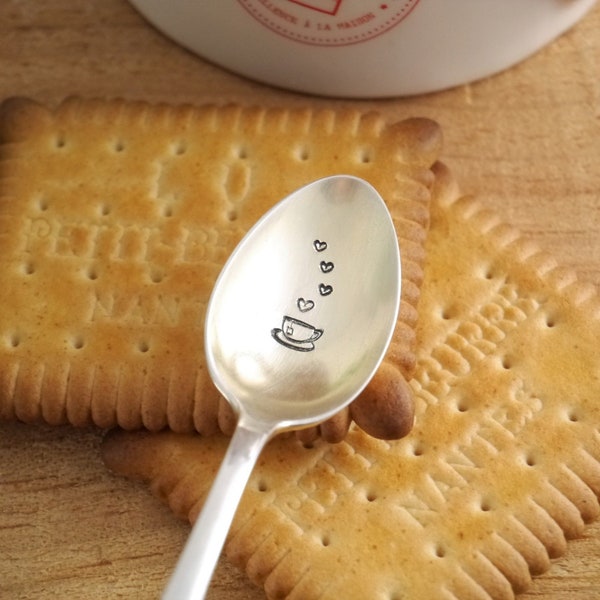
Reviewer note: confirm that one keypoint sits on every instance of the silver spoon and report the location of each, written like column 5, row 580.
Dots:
column 297, row 324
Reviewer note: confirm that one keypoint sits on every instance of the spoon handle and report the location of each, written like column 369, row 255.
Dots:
column 199, row 557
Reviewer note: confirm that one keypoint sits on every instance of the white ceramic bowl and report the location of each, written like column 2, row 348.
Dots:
column 364, row 48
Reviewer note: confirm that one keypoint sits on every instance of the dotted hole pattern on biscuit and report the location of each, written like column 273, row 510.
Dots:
column 302, row 153
column 485, row 505
column 60, row 142
column 42, row 204
column 29, row 268
column 179, row 148
column 365, row 155
column 462, row 405
column 156, row 276
column 241, row 152
column 418, row 449
column 91, row 273
column 14, row 339
column 78, row 342
column 488, row 272
column 371, row 496
column 530, row 459
column 143, row 346
column 491, row 273
column 446, row 314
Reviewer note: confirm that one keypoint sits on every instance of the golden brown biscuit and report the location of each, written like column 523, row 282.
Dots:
column 501, row 468
column 115, row 219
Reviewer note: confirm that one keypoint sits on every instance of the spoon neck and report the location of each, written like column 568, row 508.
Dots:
column 254, row 431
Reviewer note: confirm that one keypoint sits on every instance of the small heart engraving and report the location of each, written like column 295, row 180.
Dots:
column 325, row 290
column 305, row 305
column 319, row 246
column 326, row 267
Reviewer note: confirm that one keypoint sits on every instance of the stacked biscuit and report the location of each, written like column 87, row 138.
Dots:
column 500, row 470
column 116, row 218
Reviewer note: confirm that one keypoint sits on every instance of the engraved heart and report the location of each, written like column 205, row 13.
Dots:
column 325, row 290
column 326, row 267
column 319, row 245
column 305, row 305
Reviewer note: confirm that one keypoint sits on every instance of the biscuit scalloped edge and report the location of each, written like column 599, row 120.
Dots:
column 549, row 272
column 421, row 137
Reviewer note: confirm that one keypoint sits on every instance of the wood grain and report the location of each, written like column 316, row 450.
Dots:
column 526, row 142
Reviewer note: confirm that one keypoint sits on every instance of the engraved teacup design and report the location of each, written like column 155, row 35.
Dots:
column 296, row 334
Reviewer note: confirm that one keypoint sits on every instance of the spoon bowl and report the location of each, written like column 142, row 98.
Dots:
column 297, row 324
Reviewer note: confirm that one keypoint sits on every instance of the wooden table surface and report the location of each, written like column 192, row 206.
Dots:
column 526, row 141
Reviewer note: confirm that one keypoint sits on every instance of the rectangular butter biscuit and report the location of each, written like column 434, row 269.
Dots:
column 116, row 218
column 500, row 470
